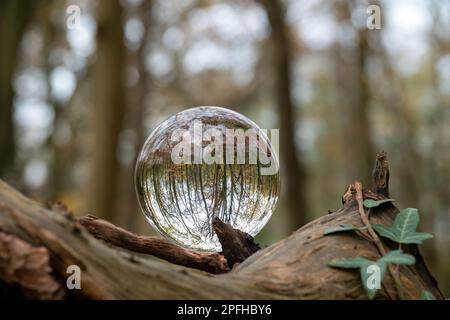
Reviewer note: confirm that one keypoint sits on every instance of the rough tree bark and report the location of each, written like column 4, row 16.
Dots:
column 38, row 243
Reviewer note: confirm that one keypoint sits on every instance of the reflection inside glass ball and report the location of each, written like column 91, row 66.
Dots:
column 202, row 163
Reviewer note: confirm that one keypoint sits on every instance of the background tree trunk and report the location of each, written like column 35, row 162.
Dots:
column 353, row 99
column 290, row 163
column 14, row 16
column 108, row 111
column 138, row 98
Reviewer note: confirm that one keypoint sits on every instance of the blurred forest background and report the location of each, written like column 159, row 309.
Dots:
column 77, row 101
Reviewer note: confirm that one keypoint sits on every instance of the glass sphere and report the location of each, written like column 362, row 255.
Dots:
column 205, row 162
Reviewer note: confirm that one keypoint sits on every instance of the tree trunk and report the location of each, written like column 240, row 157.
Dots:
column 14, row 16
column 138, row 97
column 108, row 110
column 296, row 178
column 353, row 99
column 37, row 244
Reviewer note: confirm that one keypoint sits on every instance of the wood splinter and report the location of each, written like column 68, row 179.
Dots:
column 380, row 175
column 236, row 244
column 380, row 182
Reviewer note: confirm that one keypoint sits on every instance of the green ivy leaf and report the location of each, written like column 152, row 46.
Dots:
column 369, row 203
column 403, row 230
column 360, row 263
column 384, row 231
column 417, row 237
column 363, row 264
column 398, row 257
column 342, row 228
column 426, row 295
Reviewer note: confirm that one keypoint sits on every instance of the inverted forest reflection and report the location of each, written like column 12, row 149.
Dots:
column 181, row 200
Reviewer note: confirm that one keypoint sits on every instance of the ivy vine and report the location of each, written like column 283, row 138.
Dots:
column 402, row 231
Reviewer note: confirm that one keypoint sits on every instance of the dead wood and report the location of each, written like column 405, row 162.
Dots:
column 155, row 246
column 380, row 175
column 236, row 245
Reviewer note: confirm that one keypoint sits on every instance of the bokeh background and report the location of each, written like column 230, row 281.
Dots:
column 77, row 101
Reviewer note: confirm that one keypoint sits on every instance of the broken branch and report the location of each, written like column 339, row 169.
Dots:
column 380, row 174
column 211, row 262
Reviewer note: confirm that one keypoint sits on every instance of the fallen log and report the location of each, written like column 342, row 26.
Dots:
column 293, row 268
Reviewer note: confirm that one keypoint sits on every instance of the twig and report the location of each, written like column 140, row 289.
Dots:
column 207, row 261
column 374, row 236
column 348, row 197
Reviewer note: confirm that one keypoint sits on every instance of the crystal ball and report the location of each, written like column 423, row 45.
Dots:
column 205, row 162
